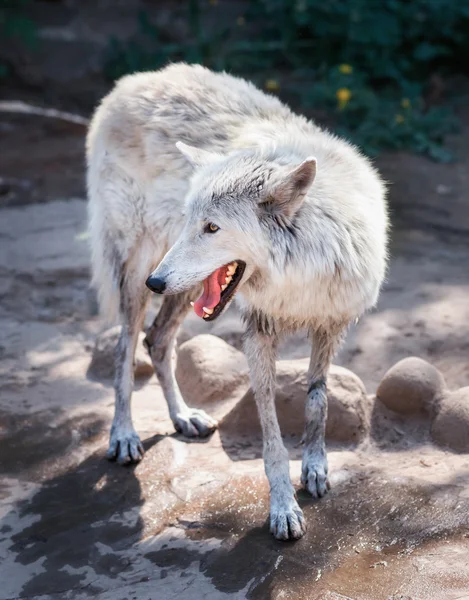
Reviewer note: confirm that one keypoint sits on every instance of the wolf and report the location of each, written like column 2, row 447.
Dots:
column 203, row 188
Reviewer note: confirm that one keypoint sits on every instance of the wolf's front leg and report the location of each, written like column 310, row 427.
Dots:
column 286, row 518
column 160, row 341
column 314, row 468
column 124, row 443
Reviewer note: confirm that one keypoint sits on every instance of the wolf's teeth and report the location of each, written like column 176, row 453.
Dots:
column 230, row 270
column 228, row 279
column 223, row 287
column 209, row 311
column 192, row 304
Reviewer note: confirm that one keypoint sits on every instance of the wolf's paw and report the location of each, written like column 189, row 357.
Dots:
column 194, row 423
column 288, row 523
column 314, row 475
column 124, row 446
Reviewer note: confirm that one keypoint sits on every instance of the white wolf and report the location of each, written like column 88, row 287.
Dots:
column 203, row 187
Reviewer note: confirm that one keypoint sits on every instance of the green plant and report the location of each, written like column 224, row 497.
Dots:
column 392, row 117
column 13, row 24
column 362, row 65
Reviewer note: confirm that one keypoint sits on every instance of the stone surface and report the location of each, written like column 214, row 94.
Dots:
column 230, row 328
column 209, row 370
column 103, row 358
column 450, row 427
column 412, row 386
column 348, row 414
column 347, row 419
column 55, row 234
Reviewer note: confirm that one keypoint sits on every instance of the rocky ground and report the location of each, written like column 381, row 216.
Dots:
column 190, row 521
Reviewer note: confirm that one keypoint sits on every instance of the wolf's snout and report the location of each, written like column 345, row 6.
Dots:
column 156, row 284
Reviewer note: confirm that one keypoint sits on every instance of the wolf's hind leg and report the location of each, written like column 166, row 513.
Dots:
column 286, row 518
column 160, row 341
column 325, row 341
column 125, row 445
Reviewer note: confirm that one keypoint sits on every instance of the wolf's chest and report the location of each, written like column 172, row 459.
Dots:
column 297, row 302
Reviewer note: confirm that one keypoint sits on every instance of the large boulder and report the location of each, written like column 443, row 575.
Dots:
column 412, row 386
column 347, row 421
column 348, row 418
column 230, row 328
column 102, row 364
column 210, row 371
column 450, row 427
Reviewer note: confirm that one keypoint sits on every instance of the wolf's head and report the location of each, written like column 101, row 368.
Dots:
column 235, row 206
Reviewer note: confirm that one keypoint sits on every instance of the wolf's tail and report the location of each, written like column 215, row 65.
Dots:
column 106, row 263
column 104, row 272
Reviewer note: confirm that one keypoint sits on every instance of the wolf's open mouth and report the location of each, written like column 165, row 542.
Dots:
column 219, row 289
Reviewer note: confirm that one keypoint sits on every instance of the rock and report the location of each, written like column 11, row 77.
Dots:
column 230, row 328
column 347, row 421
column 348, row 415
column 102, row 360
column 412, row 386
column 209, row 370
column 450, row 427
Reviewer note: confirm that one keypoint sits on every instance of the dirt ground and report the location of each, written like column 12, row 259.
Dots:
column 190, row 521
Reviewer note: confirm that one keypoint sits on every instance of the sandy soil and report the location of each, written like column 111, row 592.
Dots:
column 190, row 521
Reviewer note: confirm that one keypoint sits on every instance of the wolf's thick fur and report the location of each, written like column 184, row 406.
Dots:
column 314, row 243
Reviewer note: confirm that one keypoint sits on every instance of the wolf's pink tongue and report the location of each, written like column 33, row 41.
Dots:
column 212, row 291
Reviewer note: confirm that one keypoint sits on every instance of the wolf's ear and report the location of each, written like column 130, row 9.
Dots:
column 196, row 156
column 287, row 194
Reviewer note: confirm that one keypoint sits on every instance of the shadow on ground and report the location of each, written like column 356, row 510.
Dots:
column 78, row 518
column 359, row 539
column 93, row 526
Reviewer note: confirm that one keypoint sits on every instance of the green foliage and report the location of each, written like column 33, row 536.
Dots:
column 13, row 24
column 363, row 65
column 392, row 117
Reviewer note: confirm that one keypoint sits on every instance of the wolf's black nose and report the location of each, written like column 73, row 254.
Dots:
column 155, row 284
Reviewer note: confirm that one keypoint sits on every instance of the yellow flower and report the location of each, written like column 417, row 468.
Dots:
column 346, row 69
column 272, row 85
column 405, row 103
column 241, row 21
column 399, row 119
column 343, row 96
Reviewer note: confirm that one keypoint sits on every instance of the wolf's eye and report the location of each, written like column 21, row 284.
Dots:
column 211, row 228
